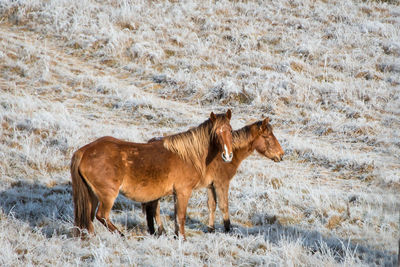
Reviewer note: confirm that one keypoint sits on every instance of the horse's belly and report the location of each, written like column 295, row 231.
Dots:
column 145, row 193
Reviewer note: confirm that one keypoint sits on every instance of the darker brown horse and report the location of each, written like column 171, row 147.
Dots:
column 257, row 136
column 145, row 172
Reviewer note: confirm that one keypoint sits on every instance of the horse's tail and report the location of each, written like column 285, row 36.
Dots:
column 82, row 196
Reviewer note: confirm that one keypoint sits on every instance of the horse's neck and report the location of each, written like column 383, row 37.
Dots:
column 211, row 154
column 239, row 154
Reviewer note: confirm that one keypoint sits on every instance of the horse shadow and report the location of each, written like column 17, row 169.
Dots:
column 313, row 241
column 50, row 211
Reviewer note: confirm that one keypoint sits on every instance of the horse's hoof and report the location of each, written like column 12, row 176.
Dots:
column 178, row 236
column 161, row 232
column 227, row 226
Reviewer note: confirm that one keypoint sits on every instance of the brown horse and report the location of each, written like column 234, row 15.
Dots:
column 257, row 136
column 145, row 172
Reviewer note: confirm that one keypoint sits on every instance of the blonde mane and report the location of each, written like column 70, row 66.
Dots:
column 193, row 145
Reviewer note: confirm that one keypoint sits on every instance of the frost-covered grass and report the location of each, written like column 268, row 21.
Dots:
column 326, row 72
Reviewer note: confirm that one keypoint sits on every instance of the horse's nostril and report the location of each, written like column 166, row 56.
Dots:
column 227, row 158
column 277, row 158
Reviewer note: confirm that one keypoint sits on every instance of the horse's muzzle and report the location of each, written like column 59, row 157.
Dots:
column 227, row 159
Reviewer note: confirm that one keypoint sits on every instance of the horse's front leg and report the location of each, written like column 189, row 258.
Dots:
column 175, row 216
column 182, row 200
column 211, row 203
column 157, row 215
column 149, row 209
column 152, row 210
column 222, row 191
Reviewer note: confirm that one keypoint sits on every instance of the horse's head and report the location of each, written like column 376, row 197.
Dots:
column 266, row 142
column 223, row 132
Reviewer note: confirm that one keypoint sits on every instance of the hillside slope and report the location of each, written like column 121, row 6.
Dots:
column 327, row 73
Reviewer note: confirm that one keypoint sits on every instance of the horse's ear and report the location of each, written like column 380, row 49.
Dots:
column 229, row 114
column 264, row 124
column 213, row 118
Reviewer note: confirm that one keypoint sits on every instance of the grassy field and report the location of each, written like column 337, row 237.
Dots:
column 327, row 74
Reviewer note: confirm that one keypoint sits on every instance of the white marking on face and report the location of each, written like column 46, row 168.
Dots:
column 226, row 150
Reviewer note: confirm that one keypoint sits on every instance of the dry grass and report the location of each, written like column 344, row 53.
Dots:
column 326, row 72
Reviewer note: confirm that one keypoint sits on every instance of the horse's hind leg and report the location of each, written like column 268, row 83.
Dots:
column 103, row 213
column 94, row 202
